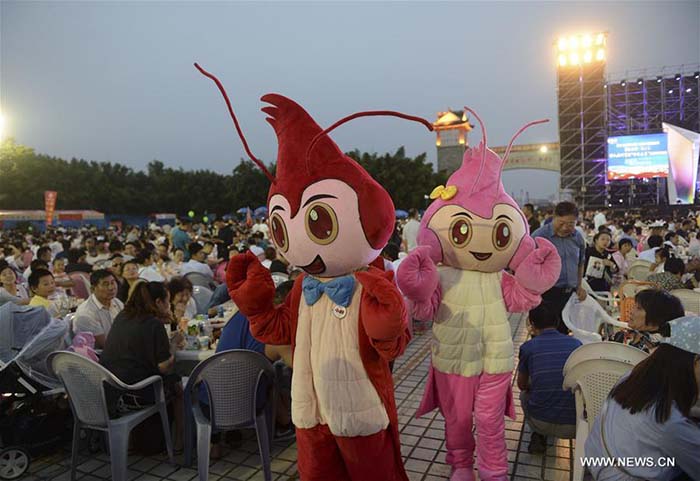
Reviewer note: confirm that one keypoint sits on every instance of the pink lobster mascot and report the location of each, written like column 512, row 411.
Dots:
column 344, row 319
column 469, row 235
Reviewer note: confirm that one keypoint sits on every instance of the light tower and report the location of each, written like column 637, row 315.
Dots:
column 451, row 128
column 581, row 101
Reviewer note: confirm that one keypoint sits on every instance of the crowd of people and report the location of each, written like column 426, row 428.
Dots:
column 140, row 291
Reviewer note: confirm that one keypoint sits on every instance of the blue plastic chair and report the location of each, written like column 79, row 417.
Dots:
column 231, row 380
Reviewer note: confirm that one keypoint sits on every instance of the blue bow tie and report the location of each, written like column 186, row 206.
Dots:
column 339, row 290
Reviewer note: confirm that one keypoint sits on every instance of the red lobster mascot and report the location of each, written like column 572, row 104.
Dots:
column 345, row 319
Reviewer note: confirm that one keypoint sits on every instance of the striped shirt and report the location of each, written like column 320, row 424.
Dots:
column 543, row 358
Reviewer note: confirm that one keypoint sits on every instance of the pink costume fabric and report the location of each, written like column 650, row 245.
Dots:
column 469, row 235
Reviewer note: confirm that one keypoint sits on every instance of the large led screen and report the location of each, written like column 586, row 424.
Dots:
column 637, row 156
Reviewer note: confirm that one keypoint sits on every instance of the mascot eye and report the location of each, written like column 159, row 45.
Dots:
column 460, row 232
column 279, row 232
column 321, row 223
column 501, row 235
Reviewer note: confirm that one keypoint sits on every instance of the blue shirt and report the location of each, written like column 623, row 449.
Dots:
column 571, row 249
column 236, row 335
column 180, row 241
column 543, row 358
column 219, row 296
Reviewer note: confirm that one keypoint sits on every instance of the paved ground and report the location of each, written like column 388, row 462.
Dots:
column 423, row 442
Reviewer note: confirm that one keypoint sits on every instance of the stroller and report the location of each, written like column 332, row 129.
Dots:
column 35, row 417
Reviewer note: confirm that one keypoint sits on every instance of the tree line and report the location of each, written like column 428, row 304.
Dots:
column 114, row 188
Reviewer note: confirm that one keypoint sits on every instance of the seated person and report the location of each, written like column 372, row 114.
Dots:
column 197, row 262
column 60, row 275
column 10, row 290
column 548, row 409
column 183, row 304
column 220, row 296
column 270, row 255
column 624, row 247
column 42, row 286
column 671, row 276
column 236, row 335
column 138, row 347
column 76, row 261
column 130, row 277
column 654, row 243
column 43, row 254
column 653, row 308
column 648, row 413
column 97, row 313
column 148, row 270
column 660, row 257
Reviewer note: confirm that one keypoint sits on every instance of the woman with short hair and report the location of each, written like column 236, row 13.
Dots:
column 653, row 309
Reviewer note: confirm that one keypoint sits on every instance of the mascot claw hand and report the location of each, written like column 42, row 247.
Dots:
column 540, row 269
column 418, row 276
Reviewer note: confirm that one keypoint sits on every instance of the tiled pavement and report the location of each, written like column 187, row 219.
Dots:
column 422, row 441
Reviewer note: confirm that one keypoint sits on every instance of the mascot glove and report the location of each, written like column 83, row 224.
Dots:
column 539, row 271
column 250, row 284
column 384, row 312
column 417, row 276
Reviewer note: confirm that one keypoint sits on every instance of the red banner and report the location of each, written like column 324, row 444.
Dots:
column 49, row 205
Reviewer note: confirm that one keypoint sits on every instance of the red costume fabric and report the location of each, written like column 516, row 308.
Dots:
column 383, row 334
column 329, row 217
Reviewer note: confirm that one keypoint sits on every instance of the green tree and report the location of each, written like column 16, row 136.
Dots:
column 113, row 188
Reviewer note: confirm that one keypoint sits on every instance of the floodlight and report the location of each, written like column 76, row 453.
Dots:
column 659, row 79
column 588, row 56
column 678, row 77
column 600, row 55
column 623, row 83
column 640, row 81
column 600, row 39
column 562, row 60
column 587, row 41
column 573, row 42
column 562, row 44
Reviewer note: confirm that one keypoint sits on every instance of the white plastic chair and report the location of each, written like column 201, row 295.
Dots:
column 199, row 279
column 584, row 319
column 605, row 298
column 231, row 380
column 84, row 381
column 202, row 296
column 690, row 300
column 591, row 372
column 639, row 270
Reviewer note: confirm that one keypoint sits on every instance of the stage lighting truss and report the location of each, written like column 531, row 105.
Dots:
column 580, row 50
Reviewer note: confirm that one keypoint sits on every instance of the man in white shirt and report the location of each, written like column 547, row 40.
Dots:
column 97, row 313
column 197, row 262
column 654, row 242
column 147, row 270
column 410, row 231
column 599, row 219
